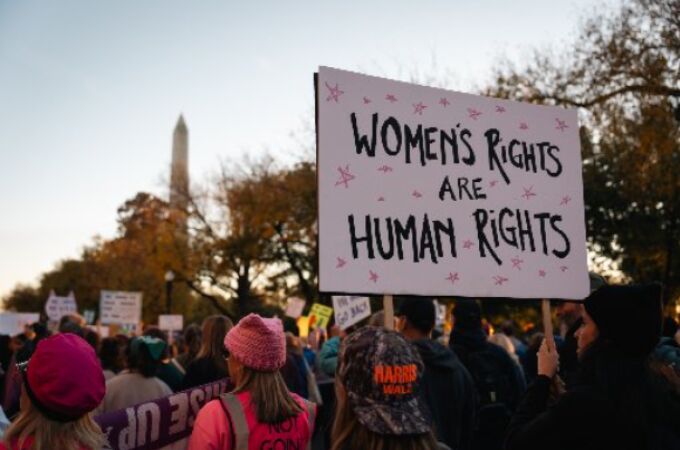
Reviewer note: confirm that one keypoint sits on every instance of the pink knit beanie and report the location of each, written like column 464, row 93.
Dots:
column 258, row 343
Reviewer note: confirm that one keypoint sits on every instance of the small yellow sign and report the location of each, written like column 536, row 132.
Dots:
column 319, row 316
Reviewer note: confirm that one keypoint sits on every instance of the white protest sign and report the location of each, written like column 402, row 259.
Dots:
column 431, row 192
column 171, row 322
column 12, row 323
column 120, row 307
column 440, row 311
column 350, row 310
column 294, row 307
column 56, row 306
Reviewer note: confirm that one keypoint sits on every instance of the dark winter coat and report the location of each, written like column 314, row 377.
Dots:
column 449, row 392
column 609, row 405
column 202, row 371
column 498, row 380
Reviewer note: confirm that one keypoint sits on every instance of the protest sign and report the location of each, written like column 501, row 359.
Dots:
column 12, row 323
column 319, row 316
column 350, row 310
column 119, row 307
column 294, row 307
column 89, row 315
column 155, row 424
column 57, row 306
column 431, row 192
column 171, row 322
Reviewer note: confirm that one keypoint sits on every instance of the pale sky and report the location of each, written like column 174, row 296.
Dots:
column 90, row 91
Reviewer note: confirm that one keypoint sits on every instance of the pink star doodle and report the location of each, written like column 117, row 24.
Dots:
column 541, row 273
column 373, row 276
column 561, row 125
column 417, row 194
column 523, row 126
column 563, row 268
column 334, row 93
column 381, row 199
column 493, row 183
column 391, row 98
column 453, row 277
column 367, row 100
column 418, row 108
column 517, row 263
column 345, row 176
column 499, row 280
column 385, row 169
column 468, row 244
column 444, row 102
column 473, row 113
column 528, row 193
column 565, row 200
column 341, row 262
column 500, row 109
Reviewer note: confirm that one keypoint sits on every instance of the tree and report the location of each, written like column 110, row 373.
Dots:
column 624, row 74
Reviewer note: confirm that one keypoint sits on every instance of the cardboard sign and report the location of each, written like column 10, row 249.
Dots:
column 431, row 192
column 12, row 323
column 294, row 307
column 319, row 316
column 119, row 307
column 171, row 322
column 89, row 315
column 350, row 310
column 56, row 306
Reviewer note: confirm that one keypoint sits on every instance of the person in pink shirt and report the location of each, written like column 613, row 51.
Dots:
column 62, row 384
column 260, row 413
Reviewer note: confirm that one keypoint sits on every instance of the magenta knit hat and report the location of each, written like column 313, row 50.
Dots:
column 258, row 343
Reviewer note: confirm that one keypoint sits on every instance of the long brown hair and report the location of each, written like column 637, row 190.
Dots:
column 215, row 328
column 48, row 434
column 349, row 433
column 268, row 395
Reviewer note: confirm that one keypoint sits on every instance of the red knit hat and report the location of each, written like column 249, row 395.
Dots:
column 258, row 343
column 64, row 378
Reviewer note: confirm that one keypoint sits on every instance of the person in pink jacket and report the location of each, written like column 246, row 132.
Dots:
column 259, row 413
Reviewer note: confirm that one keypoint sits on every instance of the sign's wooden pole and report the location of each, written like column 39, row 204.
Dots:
column 388, row 308
column 547, row 323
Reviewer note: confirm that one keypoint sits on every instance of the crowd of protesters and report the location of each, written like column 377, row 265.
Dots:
column 610, row 378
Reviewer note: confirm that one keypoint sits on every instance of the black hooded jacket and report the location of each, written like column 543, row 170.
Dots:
column 449, row 392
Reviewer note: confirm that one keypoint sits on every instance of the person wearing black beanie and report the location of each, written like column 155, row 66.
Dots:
column 611, row 403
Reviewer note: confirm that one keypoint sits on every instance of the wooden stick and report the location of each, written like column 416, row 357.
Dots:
column 547, row 323
column 388, row 307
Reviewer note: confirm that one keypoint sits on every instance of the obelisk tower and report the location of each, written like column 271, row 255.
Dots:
column 179, row 169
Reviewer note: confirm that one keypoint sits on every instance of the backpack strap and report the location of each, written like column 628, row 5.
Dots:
column 238, row 420
column 311, row 418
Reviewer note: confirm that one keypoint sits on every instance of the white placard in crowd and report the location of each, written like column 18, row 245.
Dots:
column 57, row 306
column 431, row 192
column 120, row 307
column 294, row 307
column 440, row 311
column 171, row 322
column 12, row 323
column 350, row 310
column 103, row 330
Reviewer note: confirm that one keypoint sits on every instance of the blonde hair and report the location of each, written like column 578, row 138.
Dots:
column 268, row 395
column 349, row 433
column 49, row 434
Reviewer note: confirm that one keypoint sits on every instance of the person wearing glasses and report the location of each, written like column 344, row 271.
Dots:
column 62, row 384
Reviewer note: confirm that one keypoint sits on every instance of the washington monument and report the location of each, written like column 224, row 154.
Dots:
column 179, row 168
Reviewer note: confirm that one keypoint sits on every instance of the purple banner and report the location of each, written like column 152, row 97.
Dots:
column 155, row 424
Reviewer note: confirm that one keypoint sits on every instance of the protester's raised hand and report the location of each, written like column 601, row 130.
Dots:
column 548, row 359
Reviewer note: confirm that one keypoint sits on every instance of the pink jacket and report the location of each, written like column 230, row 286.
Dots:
column 212, row 428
